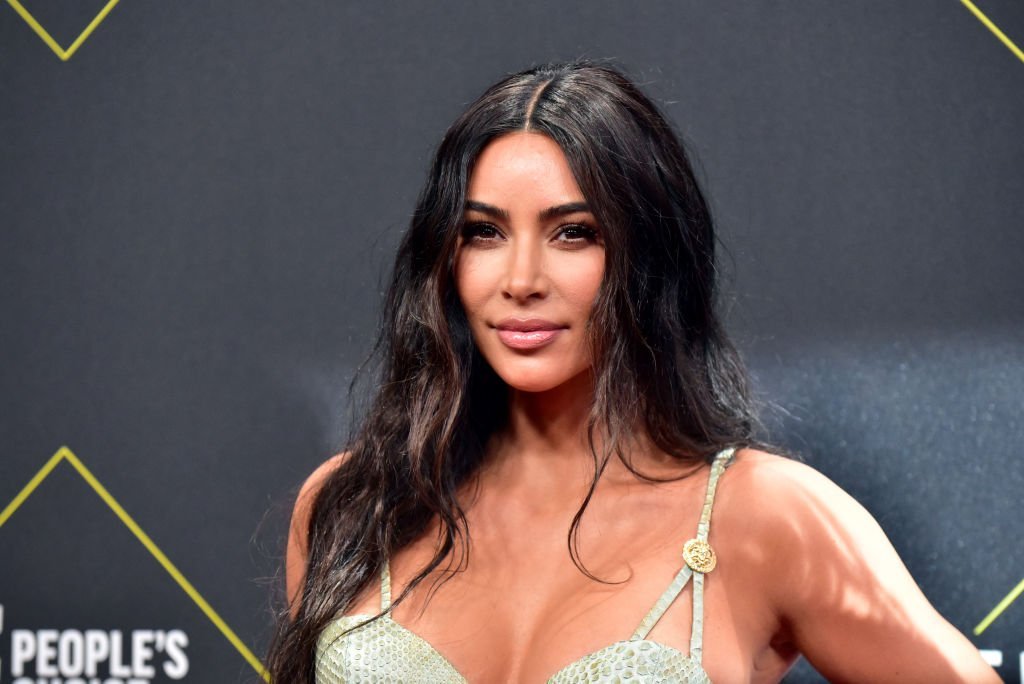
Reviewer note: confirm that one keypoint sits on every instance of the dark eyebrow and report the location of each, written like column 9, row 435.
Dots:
column 550, row 212
column 486, row 209
column 563, row 209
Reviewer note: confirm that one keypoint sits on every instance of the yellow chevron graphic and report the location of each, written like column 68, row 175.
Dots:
column 64, row 55
column 65, row 454
column 1000, row 607
column 1019, row 589
column 994, row 29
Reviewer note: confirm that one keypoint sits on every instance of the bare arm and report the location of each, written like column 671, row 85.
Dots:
column 297, row 551
column 849, row 602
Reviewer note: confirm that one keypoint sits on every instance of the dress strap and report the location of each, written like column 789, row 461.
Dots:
column 666, row 600
column 697, row 631
column 687, row 571
column 385, row 587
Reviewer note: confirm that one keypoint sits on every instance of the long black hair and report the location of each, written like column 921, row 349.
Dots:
column 662, row 362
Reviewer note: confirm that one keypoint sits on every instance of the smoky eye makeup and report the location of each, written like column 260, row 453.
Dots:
column 477, row 231
column 578, row 230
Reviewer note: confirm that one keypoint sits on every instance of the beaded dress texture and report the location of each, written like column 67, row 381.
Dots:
column 382, row 651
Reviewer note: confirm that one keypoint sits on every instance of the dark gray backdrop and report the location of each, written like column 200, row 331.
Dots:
column 196, row 211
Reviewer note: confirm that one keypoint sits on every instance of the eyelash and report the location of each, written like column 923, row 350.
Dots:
column 471, row 232
column 585, row 232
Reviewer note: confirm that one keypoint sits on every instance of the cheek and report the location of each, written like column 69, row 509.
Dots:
column 472, row 284
column 582, row 282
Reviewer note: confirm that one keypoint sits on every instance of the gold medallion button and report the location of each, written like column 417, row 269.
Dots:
column 699, row 555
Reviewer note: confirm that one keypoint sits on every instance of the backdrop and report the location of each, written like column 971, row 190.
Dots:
column 199, row 202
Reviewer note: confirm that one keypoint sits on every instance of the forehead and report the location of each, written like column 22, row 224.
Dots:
column 523, row 168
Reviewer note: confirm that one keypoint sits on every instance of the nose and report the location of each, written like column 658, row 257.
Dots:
column 524, row 277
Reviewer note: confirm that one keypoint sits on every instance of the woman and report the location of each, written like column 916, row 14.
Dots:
column 559, row 414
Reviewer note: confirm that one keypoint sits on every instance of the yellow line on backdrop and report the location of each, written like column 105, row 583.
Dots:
column 1000, row 607
column 64, row 55
column 994, row 29
column 1016, row 591
column 65, row 454
column 31, row 486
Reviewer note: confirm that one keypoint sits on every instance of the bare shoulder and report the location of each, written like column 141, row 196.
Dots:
column 298, row 530
column 307, row 496
column 311, row 487
column 783, row 494
column 803, row 516
column 753, row 469
column 836, row 582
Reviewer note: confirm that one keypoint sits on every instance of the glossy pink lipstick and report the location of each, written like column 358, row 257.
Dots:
column 527, row 333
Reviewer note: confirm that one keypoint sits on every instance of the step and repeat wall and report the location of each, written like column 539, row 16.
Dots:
column 198, row 207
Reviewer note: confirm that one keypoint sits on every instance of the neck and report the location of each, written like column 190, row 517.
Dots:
column 552, row 422
column 544, row 444
column 544, row 448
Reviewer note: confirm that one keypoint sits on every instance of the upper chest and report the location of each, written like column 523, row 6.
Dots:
column 520, row 609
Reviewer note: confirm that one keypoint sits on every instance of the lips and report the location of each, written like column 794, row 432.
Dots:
column 529, row 333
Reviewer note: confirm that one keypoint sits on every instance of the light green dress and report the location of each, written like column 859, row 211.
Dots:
column 356, row 648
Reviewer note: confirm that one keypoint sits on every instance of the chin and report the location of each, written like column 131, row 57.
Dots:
column 536, row 380
column 531, row 385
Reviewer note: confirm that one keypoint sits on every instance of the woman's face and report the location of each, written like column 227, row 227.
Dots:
column 529, row 263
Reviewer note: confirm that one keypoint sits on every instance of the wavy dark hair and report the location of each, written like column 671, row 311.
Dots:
column 662, row 362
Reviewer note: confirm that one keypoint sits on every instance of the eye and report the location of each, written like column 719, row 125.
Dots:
column 577, row 234
column 480, row 232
